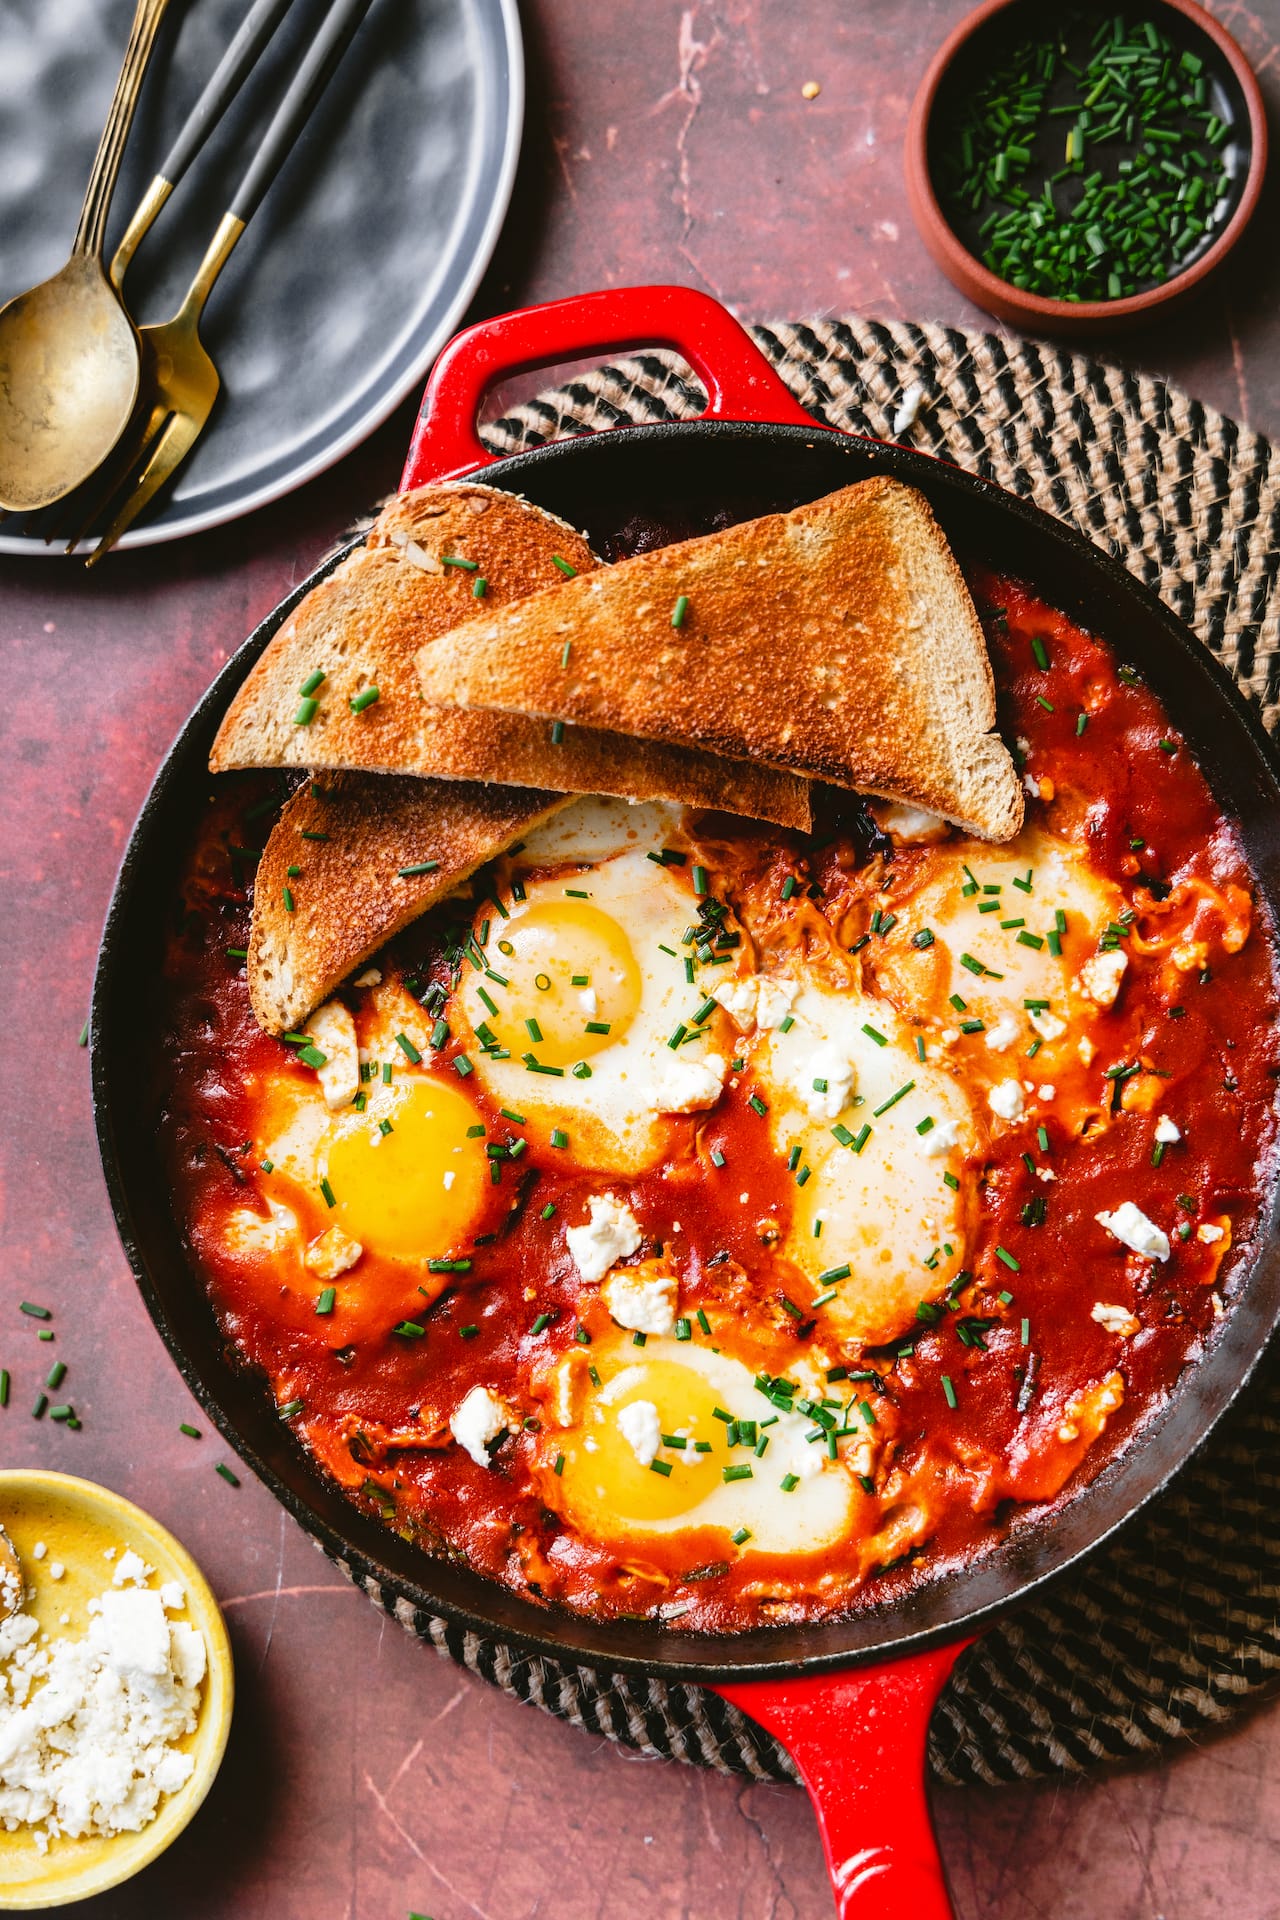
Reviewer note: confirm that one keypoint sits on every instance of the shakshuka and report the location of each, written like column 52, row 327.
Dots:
column 696, row 1221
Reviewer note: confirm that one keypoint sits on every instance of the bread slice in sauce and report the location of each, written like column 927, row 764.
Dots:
column 363, row 626
column 353, row 834
column 838, row 641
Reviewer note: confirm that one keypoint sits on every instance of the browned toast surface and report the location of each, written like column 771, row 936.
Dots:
column 353, row 836
column 838, row 641
column 414, row 579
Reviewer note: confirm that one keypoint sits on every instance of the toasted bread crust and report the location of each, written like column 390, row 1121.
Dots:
column 838, row 641
column 351, row 896
column 364, row 625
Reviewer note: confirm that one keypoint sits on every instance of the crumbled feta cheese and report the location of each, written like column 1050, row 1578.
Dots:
column 940, row 1139
column 1086, row 1050
column 752, row 1000
column 1209, row 1235
column 774, row 1000
column 641, row 1428
column 612, row 1233
column 1131, row 1227
column 333, row 1032
column 449, row 1177
column 1100, row 977
column 833, row 1066
column 1032, row 785
column 88, row 1727
column 476, row 1423
column 131, row 1570
column 1046, row 1093
column 39, row 1550
column 1115, row 1319
column 738, row 996
column 689, row 1086
column 371, row 977
column 1006, row 1100
column 56, row 1569
column 641, row 1300
column 331, row 1253
column 1048, row 1025
column 1045, row 1173
column 1167, row 1130
column 1003, row 1034
column 589, row 1002
column 909, row 410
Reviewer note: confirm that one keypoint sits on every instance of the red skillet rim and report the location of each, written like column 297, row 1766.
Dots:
column 405, row 1577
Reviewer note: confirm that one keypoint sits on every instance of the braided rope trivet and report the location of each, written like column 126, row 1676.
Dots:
column 1177, row 1626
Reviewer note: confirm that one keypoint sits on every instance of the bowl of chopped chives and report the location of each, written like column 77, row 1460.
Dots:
column 1078, row 173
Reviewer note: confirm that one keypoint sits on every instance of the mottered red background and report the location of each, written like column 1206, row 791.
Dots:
column 366, row 1776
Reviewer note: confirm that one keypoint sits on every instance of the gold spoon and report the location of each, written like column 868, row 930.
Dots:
column 69, row 353
column 12, row 1584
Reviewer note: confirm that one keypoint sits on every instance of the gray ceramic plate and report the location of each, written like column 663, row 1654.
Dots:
column 359, row 263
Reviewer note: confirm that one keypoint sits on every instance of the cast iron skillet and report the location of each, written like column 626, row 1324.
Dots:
column 856, row 1729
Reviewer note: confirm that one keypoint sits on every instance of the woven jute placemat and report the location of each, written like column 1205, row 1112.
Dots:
column 1175, row 1628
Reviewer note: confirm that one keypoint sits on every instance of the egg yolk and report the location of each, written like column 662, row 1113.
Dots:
column 602, row 1481
column 572, row 985
column 415, row 1191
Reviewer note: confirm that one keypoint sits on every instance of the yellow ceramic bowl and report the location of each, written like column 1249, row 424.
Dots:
column 78, row 1522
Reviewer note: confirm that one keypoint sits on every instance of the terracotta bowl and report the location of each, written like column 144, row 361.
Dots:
column 1186, row 22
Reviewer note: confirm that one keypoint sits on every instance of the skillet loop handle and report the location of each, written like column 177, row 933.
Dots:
column 859, row 1739
column 740, row 383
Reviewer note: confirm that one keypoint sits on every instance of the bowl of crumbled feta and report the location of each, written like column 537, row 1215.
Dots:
column 115, row 1691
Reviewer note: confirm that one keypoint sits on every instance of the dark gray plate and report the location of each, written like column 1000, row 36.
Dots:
column 359, row 263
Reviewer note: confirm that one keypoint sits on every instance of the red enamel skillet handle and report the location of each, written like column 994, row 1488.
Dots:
column 740, row 383
column 858, row 1738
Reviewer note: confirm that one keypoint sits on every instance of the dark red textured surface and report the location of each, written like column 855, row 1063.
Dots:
column 663, row 143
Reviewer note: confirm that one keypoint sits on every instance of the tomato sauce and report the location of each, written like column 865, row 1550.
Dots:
column 999, row 1401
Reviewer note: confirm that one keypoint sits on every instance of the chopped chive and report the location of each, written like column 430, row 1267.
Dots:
column 568, row 571
column 306, row 713
column 948, row 1390
column 327, row 1296
column 679, row 610
column 408, row 1049
column 419, row 866
column 872, row 1034
column 479, row 587
column 893, row 1100
column 363, row 700
column 192, row 1433
column 36, row 1313
column 231, row 1479
column 456, row 560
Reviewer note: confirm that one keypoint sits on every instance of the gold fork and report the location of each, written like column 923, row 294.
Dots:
column 180, row 380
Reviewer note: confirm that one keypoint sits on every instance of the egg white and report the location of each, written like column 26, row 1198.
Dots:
column 605, row 1490
column 887, row 1208
column 614, row 1115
